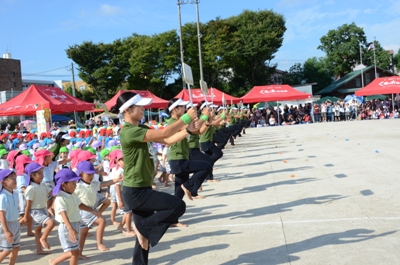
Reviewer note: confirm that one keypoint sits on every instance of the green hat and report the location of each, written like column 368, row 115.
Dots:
column 64, row 149
column 26, row 152
column 3, row 152
column 74, row 148
column 40, row 148
column 114, row 148
column 90, row 149
column 1, row 147
column 104, row 152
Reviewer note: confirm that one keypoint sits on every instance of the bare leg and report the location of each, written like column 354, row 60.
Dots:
column 144, row 242
column 113, row 213
column 104, row 205
column 187, row 192
column 101, row 222
column 128, row 222
column 4, row 254
column 82, row 239
column 46, row 232
column 38, row 234
column 13, row 256
column 72, row 255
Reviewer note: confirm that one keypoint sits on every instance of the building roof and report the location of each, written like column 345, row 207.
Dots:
column 345, row 79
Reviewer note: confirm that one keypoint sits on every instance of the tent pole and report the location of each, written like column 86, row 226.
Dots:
column 277, row 111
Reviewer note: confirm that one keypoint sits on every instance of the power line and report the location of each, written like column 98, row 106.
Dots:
column 36, row 74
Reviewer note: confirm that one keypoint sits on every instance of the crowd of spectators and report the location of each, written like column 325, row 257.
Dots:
column 324, row 112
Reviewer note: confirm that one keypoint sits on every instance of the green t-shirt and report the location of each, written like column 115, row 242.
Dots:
column 180, row 150
column 207, row 136
column 194, row 141
column 232, row 120
column 139, row 165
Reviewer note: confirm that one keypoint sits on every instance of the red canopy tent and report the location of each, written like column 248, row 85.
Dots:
column 42, row 97
column 384, row 85
column 198, row 96
column 273, row 93
column 158, row 103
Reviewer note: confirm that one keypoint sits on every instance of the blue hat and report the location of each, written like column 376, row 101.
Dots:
column 32, row 167
column 86, row 167
column 5, row 173
column 62, row 176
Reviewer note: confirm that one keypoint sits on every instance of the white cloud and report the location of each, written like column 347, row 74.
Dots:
column 368, row 11
column 109, row 10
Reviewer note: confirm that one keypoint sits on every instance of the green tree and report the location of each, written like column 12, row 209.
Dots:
column 295, row 75
column 396, row 60
column 342, row 47
column 85, row 95
column 102, row 66
column 318, row 70
column 382, row 56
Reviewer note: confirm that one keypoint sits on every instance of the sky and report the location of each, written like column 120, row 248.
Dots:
column 38, row 32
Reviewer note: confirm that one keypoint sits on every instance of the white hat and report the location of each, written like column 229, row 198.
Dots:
column 177, row 103
column 136, row 100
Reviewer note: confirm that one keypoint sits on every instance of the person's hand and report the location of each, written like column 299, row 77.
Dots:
column 96, row 213
column 193, row 125
column 9, row 237
column 72, row 235
column 121, row 205
column 120, row 178
column 192, row 113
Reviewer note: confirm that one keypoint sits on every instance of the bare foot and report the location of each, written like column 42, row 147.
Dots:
column 144, row 242
column 51, row 262
column 30, row 234
column 178, row 225
column 187, row 192
column 201, row 188
column 120, row 228
column 213, row 180
column 166, row 185
column 90, row 234
column 198, row 197
column 115, row 223
column 102, row 247
column 83, row 257
column 44, row 243
column 42, row 252
column 130, row 234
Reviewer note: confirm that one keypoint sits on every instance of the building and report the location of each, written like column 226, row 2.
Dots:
column 353, row 81
column 79, row 85
column 50, row 83
column 10, row 73
column 276, row 77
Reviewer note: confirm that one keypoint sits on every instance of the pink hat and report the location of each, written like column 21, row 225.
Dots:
column 20, row 163
column 115, row 155
column 74, row 157
column 11, row 157
column 41, row 154
column 85, row 156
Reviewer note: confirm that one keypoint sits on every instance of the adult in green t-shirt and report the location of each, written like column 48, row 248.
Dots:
column 153, row 211
column 179, row 161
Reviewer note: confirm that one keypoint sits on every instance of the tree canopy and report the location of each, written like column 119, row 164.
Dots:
column 236, row 56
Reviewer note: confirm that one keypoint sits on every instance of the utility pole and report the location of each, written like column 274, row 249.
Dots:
column 73, row 88
column 180, row 37
column 199, row 40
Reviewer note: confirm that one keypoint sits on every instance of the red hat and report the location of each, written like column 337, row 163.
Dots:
column 20, row 163
column 20, row 136
column 13, row 136
column 41, row 154
column 102, row 132
column 109, row 132
column 72, row 133
column 43, row 135
column 49, row 134
column 88, row 133
column 85, row 155
column 81, row 134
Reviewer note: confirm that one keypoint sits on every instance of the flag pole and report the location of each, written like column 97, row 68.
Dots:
column 375, row 58
column 362, row 74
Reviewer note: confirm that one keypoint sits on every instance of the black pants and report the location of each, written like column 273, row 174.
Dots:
column 210, row 149
column 196, row 154
column 183, row 168
column 153, row 212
